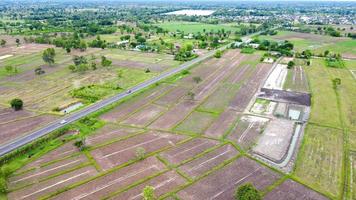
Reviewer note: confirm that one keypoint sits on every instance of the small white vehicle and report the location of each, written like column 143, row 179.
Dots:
column 63, row 121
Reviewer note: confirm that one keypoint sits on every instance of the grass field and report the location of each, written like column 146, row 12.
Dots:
column 319, row 162
column 194, row 27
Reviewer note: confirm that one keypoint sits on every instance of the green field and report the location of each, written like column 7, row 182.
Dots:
column 194, row 27
column 319, row 162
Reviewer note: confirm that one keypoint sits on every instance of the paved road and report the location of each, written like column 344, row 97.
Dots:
column 19, row 142
column 97, row 106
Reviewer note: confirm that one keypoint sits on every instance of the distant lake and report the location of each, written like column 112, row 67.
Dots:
column 192, row 12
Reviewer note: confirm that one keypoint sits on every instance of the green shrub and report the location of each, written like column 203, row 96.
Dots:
column 247, row 192
column 248, row 50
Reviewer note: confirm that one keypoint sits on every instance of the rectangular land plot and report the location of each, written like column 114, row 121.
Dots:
column 222, row 183
column 8, row 114
column 220, row 126
column 247, row 130
column 199, row 166
column 296, row 80
column 111, row 132
column 292, row 190
column 43, row 188
column 172, row 96
column 319, row 162
column 112, row 182
column 196, row 123
column 39, row 174
column 144, row 116
column 250, row 87
column 162, row 184
column 123, row 151
column 188, row 150
column 169, row 119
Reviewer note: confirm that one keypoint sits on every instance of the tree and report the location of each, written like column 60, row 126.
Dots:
column 336, row 82
column 16, row 104
column 78, row 60
column 247, row 192
column 105, row 62
column 148, row 193
column 80, row 143
column 290, row 64
column 140, row 153
column 191, row 95
column 3, row 42
column 48, row 56
column 197, row 79
column 17, row 41
column 82, row 45
column 218, row 54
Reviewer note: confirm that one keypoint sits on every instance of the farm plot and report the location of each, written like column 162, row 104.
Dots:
column 14, row 129
column 207, row 162
column 277, row 77
column 275, row 140
column 52, row 185
column 123, row 110
column 42, row 173
column 105, row 185
column 319, row 162
column 188, row 150
column 196, row 123
column 250, row 87
column 296, row 80
column 324, row 102
column 8, row 114
column 111, row 132
column 144, row 116
column 169, row 119
column 352, row 186
column 247, row 130
column 172, row 96
column 123, row 151
column 162, row 184
column 222, row 183
column 293, row 191
column 223, row 124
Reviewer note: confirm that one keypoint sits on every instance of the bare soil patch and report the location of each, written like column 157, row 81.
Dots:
column 250, row 87
column 144, row 116
column 196, row 123
column 154, row 67
column 12, row 130
column 8, row 114
column 162, row 184
column 123, row 151
column 102, row 186
column 222, row 184
column 188, row 150
column 199, row 166
column 220, row 126
column 293, row 191
column 52, row 185
column 172, row 96
column 171, row 117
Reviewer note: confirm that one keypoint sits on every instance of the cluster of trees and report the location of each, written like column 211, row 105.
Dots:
column 82, row 64
column 185, row 53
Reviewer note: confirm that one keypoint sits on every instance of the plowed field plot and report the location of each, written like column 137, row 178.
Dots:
column 41, row 173
column 111, row 132
column 162, row 184
column 222, row 125
column 123, row 151
column 293, row 191
column 352, row 186
column 222, row 183
column 141, row 65
column 102, row 186
column 247, row 131
column 250, row 87
column 275, row 140
column 12, row 130
column 8, row 114
column 144, row 116
column 219, row 99
column 169, row 119
column 207, row 162
column 52, row 185
column 296, row 80
column 131, row 106
column 188, row 150
column 173, row 96
column 56, row 154
column 196, row 123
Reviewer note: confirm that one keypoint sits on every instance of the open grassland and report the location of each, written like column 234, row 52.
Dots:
column 194, row 27
column 324, row 102
column 303, row 41
column 346, row 48
column 319, row 162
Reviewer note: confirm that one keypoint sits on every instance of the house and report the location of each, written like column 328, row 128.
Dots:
column 254, row 45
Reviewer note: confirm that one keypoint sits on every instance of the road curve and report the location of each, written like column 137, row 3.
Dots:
column 21, row 141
